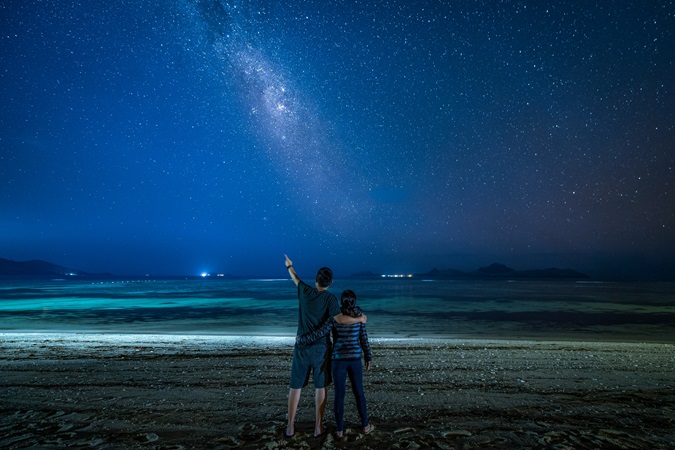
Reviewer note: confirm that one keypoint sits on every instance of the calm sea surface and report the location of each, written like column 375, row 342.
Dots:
column 637, row 312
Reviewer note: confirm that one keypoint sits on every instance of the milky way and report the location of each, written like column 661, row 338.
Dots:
column 315, row 173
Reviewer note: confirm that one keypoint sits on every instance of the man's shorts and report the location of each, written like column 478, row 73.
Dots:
column 307, row 359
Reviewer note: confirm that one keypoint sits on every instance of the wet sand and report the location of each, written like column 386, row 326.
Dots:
column 172, row 392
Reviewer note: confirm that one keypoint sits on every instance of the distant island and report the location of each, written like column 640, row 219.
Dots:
column 39, row 268
column 494, row 271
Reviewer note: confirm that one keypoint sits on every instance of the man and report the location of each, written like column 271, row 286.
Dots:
column 315, row 305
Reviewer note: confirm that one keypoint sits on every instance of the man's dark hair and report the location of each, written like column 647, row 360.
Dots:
column 324, row 277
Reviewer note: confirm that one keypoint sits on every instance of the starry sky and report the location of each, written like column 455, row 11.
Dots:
column 181, row 136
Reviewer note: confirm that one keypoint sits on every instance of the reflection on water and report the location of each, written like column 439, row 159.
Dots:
column 401, row 307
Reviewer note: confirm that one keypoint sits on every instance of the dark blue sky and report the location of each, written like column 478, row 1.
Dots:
column 175, row 137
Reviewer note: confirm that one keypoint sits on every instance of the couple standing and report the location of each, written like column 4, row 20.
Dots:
column 318, row 315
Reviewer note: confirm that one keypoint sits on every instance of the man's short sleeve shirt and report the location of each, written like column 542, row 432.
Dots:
column 315, row 307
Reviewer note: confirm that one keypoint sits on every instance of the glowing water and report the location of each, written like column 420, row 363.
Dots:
column 396, row 307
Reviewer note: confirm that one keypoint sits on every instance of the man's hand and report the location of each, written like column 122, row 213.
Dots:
column 362, row 318
column 289, row 263
column 367, row 365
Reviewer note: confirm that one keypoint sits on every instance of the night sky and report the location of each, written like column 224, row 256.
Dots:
column 176, row 137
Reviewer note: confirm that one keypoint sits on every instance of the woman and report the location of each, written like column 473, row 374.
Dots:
column 350, row 343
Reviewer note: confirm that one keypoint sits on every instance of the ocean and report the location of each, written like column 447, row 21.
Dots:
column 404, row 308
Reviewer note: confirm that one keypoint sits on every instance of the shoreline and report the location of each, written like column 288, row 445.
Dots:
column 214, row 342
column 283, row 334
column 229, row 392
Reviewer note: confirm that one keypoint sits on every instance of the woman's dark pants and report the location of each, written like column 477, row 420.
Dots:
column 352, row 368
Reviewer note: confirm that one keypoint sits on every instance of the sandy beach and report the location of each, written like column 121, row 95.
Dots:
column 167, row 391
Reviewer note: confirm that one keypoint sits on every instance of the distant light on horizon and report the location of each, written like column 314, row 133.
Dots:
column 397, row 275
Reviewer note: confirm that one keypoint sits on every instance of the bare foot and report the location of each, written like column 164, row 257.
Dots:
column 369, row 428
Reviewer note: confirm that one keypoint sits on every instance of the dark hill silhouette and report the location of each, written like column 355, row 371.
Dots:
column 366, row 274
column 34, row 267
column 497, row 270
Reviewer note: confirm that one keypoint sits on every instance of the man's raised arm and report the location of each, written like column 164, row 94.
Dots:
column 291, row 270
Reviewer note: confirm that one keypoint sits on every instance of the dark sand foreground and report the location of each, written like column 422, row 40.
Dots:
column 139, row 391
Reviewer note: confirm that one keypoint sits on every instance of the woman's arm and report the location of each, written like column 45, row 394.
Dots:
column 311, row 337
column 365, row 345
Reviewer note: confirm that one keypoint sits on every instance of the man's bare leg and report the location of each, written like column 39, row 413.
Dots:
column 320, row 406
column 293, row 400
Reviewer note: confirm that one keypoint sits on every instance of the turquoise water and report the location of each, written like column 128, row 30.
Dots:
column 395, row 307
